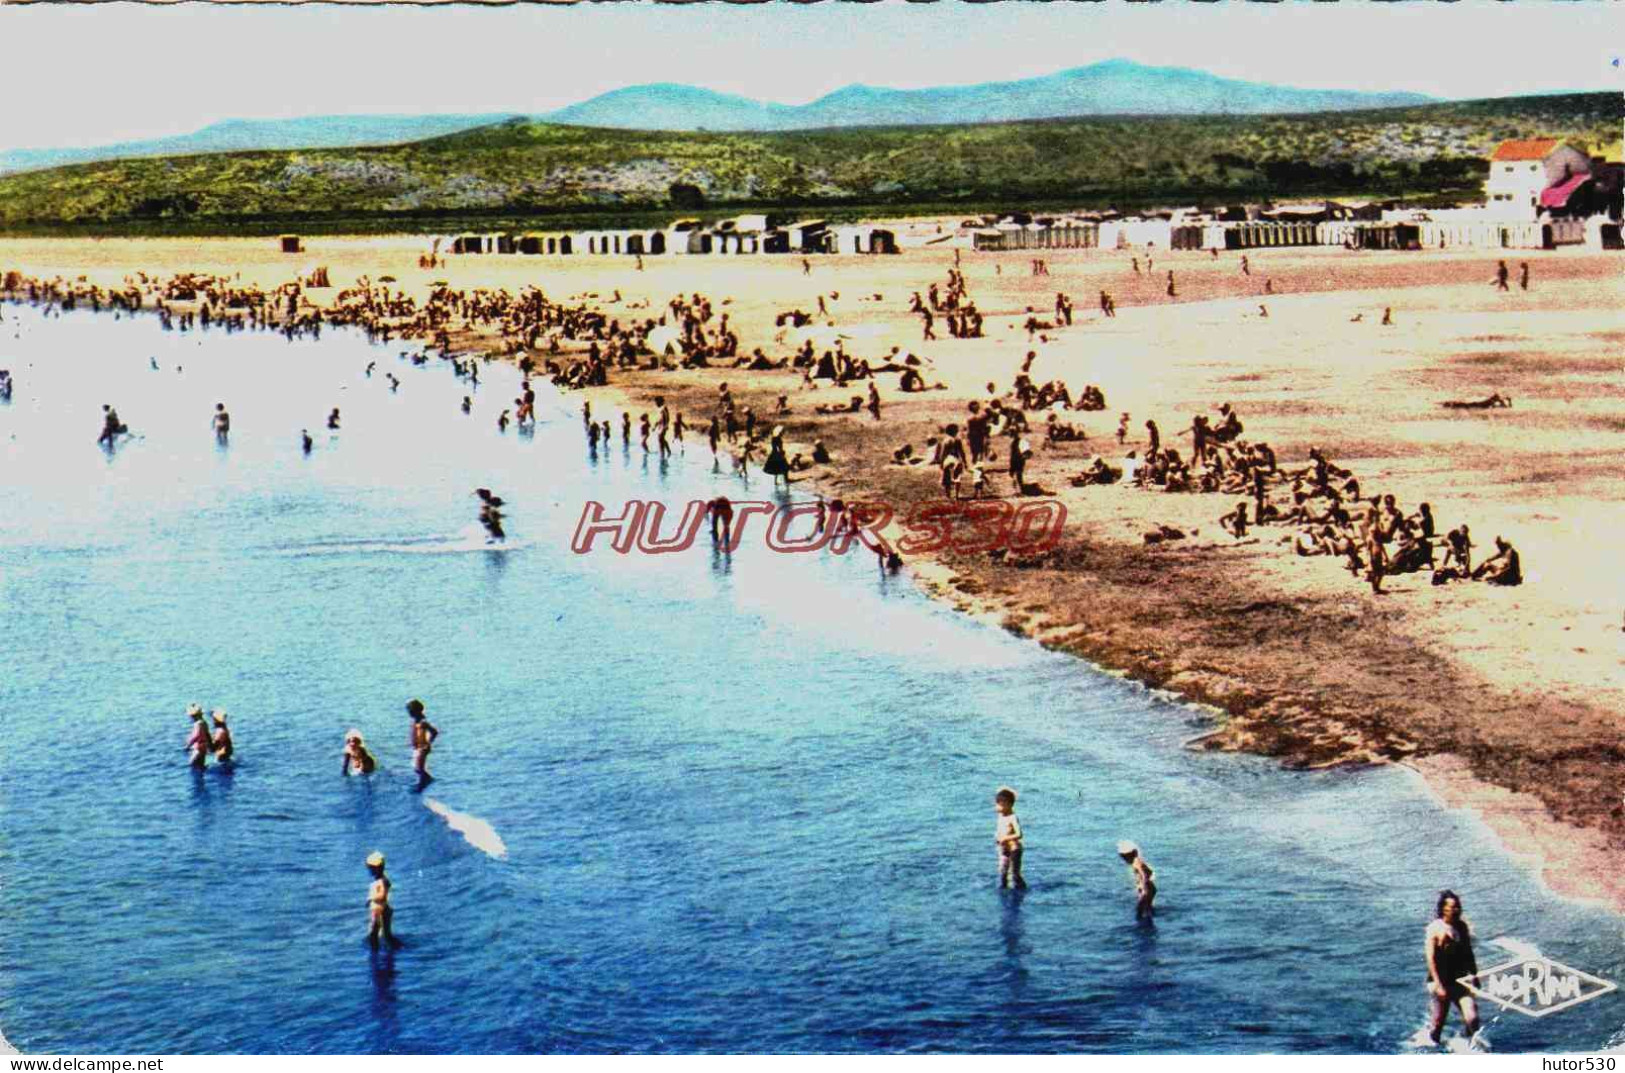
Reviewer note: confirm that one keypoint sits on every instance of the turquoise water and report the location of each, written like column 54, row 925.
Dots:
column 745, row 800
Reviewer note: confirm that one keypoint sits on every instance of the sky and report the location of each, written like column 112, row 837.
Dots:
column 121, row 71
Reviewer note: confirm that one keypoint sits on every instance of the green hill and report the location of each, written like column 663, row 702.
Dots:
column 522, row 173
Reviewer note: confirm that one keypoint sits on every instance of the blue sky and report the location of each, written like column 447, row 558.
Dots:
column 143, row 71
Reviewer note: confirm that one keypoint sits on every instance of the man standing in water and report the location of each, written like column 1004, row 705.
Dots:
column 380, row 915
column 1449, row 950
column 222, row 422
column 1145, row 891
column 424, row 734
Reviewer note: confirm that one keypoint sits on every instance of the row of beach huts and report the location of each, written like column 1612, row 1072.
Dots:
column 1388, row 229
column 749, row 234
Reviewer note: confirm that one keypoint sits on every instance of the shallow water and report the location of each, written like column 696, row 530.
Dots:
column 744, row 801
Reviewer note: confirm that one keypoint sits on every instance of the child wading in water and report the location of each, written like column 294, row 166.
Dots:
column 380, row 916
column 1007, row 833
column 1144, row 889
column 423, row 735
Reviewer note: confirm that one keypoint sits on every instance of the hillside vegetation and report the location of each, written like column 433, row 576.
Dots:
column 520, row 170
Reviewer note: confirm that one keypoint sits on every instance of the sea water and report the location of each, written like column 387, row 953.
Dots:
column 687, row 802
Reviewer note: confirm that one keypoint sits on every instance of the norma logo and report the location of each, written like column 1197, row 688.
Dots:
column 1536, row 986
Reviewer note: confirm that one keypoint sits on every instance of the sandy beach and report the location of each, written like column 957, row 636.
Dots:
column 1509, row 701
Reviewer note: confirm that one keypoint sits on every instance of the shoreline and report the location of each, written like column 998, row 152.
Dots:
column 1292, row 658
column 1571, row 862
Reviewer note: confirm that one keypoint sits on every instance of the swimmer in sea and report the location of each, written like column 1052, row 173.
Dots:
column 357, row 758
column 1145, row 890
column 1449, row 950
column 305, row 442
column 424, row 734
column 221, row 743
column 380, row 916
column 198, row 744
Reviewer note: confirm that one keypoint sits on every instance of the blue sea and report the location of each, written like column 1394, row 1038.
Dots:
column 745, row 800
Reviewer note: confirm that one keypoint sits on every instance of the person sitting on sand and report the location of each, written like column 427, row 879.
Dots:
column 1459, row 551
column 1097, row 472
column 333, row 420
column 199, row 743
column 220, row 744
column 820, row 453
column 380, row 916
column 357, row 758
column 1412, row 554
column 1502, row 568
column 1145, row 888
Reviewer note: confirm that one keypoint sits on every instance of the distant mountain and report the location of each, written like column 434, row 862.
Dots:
column 668, row 106
column 240, row 135
column 1114, row 87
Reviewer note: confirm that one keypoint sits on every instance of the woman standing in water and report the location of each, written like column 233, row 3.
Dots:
column 1449, row 950
column 380, row 916
column 1145, row 889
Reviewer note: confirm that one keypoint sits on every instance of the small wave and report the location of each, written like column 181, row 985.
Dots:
column 475, row 831
column 461, row 544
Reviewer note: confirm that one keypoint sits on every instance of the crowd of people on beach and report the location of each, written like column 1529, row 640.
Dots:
column 1332, row 515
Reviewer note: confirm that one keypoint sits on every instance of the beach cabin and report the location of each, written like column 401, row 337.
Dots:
column 686, row 236
column 480, row 243
column 547, row 243
column 292, row 244
column 809, row 236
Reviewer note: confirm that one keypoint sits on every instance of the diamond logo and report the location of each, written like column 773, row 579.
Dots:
column 1536, row 986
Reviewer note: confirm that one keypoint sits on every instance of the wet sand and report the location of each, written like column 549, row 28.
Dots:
column 1509, row 701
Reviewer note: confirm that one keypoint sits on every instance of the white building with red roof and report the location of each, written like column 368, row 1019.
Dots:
column 1531, row 176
